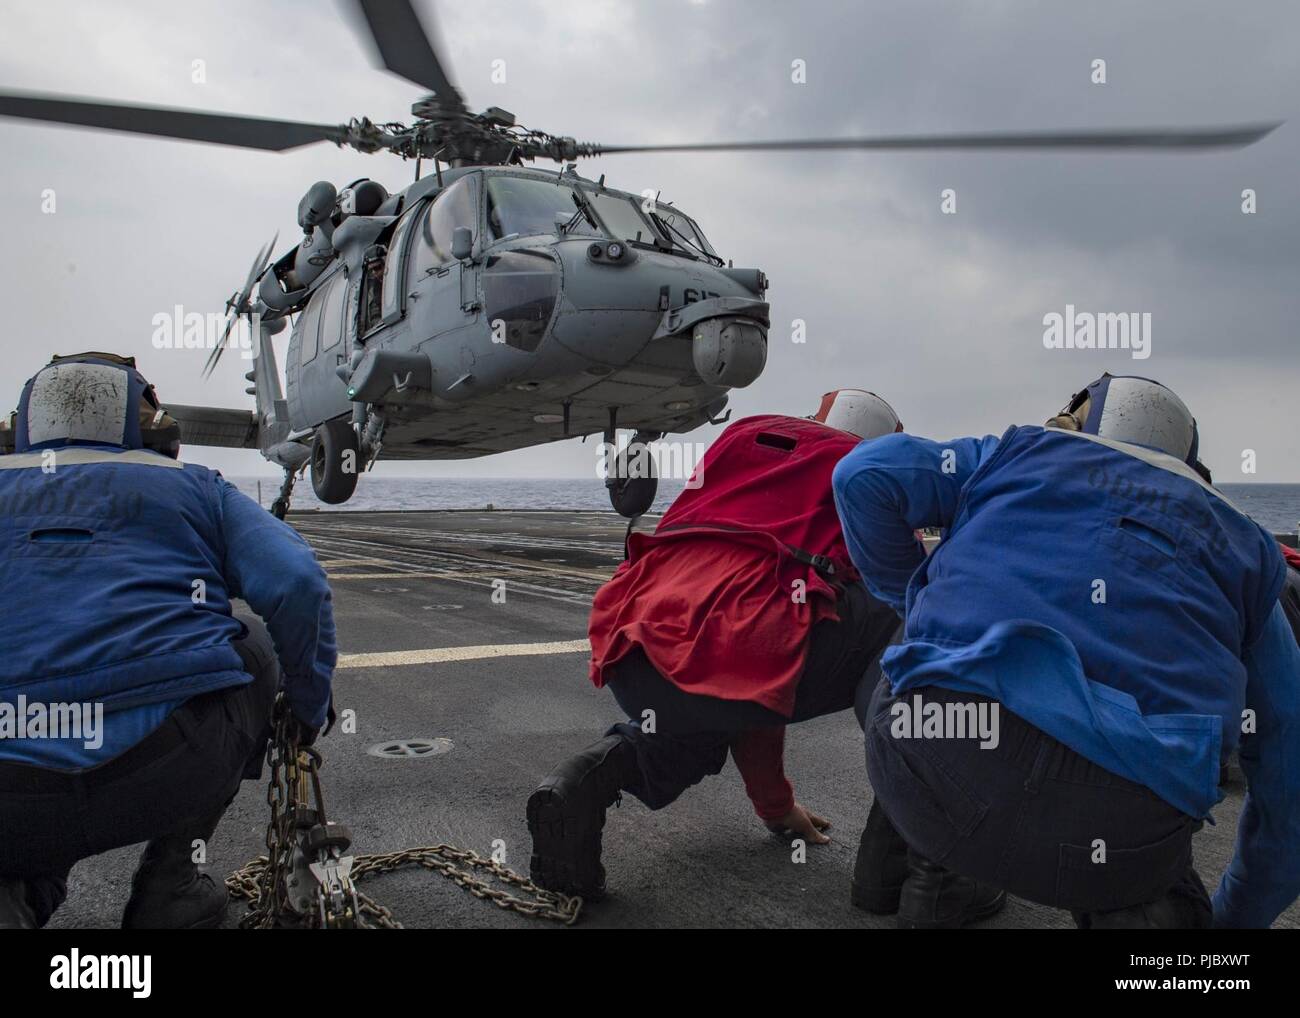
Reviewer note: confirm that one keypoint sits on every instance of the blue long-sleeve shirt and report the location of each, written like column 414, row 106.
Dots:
column 888, row 488
column 271, row 567
column 258, row 558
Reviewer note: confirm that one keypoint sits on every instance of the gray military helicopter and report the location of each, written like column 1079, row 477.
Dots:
column 489, row 306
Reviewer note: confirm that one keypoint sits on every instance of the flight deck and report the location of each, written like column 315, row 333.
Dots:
column 463, row 659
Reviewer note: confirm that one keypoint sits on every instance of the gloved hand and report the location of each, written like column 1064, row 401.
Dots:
column 303, row 732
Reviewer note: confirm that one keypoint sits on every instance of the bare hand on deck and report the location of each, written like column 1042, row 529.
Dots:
column 804, row 823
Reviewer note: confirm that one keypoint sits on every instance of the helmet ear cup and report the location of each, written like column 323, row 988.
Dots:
column 1074, row 414
column 159, row 431
column 164, row 440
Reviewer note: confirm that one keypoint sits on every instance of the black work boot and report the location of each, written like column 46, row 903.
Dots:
column 934, row 898
column 566, row 814
column 1185, row 907
column 169, row 893
column 881, row 866
column 15, row 912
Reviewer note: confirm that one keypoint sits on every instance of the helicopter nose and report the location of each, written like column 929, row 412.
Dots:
column 623, row 303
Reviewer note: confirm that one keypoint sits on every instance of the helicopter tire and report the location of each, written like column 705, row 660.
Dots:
column 333, row 470
column 279, row 508
column 632, row 496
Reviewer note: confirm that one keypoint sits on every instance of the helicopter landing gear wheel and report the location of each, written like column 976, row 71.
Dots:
column 335, row 462
column 631, row 479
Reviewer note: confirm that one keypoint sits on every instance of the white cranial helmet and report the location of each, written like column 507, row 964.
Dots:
column 1126, row 408
column 858, row 412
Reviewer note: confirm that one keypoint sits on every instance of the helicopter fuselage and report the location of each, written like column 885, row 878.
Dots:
column 469, row 327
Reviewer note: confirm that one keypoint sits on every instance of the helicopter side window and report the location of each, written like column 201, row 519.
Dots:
column 622, row 218
column 456, row 206
column 309, row 330
column 528, row 206
column 391, row 298
column 331, row 318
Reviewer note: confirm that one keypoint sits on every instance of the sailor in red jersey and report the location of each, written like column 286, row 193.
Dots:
column 741, row 613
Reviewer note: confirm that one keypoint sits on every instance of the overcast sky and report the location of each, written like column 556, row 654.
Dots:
column 941, row 314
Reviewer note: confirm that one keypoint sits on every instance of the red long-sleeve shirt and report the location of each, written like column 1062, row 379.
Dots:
column 717, row 598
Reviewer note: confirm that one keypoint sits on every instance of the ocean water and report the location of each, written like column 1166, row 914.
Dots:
column 458, row 493
column 1274, row 506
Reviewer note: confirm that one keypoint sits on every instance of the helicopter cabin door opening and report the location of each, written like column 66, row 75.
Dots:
column 423, row 280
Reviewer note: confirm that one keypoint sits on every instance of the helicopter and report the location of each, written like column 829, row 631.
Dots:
column 490, row 305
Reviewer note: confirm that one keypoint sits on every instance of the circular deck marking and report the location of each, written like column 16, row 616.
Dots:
column 410, row 749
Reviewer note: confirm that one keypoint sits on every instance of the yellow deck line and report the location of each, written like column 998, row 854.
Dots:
column 442, row 655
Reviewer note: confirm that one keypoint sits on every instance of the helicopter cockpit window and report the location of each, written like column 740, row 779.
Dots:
column 519, row 291
column 683, row 231
column 528, row 206
column 454, row 207
column 622, row 218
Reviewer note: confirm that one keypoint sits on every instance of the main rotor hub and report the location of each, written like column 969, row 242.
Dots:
column 444, row 109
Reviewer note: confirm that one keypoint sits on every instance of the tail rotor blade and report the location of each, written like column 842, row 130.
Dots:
column 215, row 355
column 240, row 305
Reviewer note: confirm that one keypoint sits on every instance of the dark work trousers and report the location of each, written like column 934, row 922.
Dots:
column 179, row 779
column 1031, row 815
column 693, row 732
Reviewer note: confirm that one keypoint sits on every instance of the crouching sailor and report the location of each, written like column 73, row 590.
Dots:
column 739, row 614
column 1124, row 619
column 120, row 563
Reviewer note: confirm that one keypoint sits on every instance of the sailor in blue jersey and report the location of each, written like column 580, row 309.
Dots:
column 1120, row 619
column 119, row 564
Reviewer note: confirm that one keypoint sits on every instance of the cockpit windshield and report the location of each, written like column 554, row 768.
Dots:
column 528, row 206
column 621, row 217
column 683, row 230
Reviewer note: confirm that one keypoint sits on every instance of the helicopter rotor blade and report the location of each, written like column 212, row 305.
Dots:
column 1137, row 140
column 409, row 49
column 169, row 122
column 260, row 263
